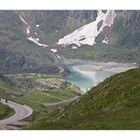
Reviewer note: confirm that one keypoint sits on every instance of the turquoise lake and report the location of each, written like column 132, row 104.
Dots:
column 86, row 80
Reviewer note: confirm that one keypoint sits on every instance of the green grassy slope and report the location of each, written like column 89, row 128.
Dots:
column 103, row 53
column 7, row 88
column 31, row 51
column 113, row 104
column 5, row 111
column 35, row 89
column 24, row 56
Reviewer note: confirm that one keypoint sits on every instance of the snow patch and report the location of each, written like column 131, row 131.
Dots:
column 54, row 50
column 58, row 56
column 28, row 26
column 105, row 41
column 27, row 30
column 37, row 25
column 134, row 63
column 35, row 40
column 88, row 33
column 23, row 20
column 74, row 47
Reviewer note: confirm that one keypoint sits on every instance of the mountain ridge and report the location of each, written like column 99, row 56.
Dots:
column 24, row 33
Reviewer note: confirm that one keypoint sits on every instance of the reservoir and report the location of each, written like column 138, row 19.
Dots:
column 87, row 80
column 88, row 74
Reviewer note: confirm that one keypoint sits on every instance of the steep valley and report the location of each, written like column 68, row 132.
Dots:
column 36, row 89
column 77, row 69
column 113, row 104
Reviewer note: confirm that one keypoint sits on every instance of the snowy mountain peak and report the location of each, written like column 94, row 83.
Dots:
column 88, row 33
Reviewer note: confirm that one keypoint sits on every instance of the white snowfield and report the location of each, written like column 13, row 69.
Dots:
column 88, row 33
column 22, row 112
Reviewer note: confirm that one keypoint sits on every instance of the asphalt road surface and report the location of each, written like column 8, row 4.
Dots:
column 21, row 112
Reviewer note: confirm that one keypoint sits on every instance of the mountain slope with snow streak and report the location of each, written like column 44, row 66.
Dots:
column 28, row 28
column 88, row 33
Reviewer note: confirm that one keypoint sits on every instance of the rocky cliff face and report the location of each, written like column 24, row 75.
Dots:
column 126, row 27
column 18, row 29
column 17, row 53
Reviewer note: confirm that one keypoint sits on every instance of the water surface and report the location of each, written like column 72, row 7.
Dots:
column 86, row 79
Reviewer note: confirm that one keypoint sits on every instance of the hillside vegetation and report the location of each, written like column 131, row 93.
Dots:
column 113, row 104
column 35, row 90
column 5, row 111
column 103, row 52
column 17, row 53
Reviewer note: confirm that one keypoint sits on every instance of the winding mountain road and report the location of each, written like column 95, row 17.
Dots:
column 22, row 112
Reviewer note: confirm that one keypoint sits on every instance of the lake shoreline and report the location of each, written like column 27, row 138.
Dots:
column 82, row 65
column 87, row 74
